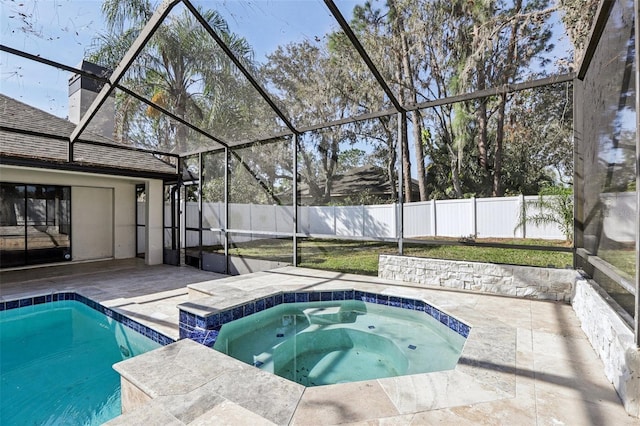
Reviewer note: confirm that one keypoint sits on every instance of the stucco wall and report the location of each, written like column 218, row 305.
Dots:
column 84, row 229
column 92, row 233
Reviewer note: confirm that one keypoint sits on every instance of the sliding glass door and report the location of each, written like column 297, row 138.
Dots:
column 35, row 224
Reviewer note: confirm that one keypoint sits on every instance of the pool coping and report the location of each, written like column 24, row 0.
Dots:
column 486, row 371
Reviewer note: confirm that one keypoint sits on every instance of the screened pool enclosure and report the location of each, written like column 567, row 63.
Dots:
column 276, row 131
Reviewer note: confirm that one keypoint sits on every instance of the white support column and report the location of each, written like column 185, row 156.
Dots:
column 154, row 208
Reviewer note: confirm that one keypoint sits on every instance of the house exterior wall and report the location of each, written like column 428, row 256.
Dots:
column 101, row 206
column 92, row 218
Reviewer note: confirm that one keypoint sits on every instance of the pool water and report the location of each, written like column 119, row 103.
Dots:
column 319, row 343
column 56, row 364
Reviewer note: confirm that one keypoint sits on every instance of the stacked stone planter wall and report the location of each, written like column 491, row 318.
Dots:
column 508, row 280
column 612, row 339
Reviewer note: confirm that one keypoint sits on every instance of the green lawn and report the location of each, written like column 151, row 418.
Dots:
column 362, row 257
column 623, row 259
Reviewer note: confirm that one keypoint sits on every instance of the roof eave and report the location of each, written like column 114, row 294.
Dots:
column 85, row 168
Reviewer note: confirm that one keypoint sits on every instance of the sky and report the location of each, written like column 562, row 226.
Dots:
column 62, row 31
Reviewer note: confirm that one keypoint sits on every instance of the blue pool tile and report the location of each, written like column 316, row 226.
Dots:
column 453, row 324
column 185, row 331
column 359, row 295
column 198, row 336
column 428, row 309
column 349, row 295
column 370, row 298
column 182, row 317
column 2, row 306
column 225, row 317
column 382, row 299
column 326, row 296
column 269, row 302
column 463, row 329
column 395, row 302
column 338, row 295
column 201, row 322
column 191, row 319
column 48, row 298
column 278, row 299
column 237, row 312
column 302, row 297
column 213, row 321
column 289, row 298
column 444, row 319
column 435, row 314
column 258, row 363
column 26, row 302
column 164, row 340
column 314, row 296
column 249, row 308
column 412, row 347
column 210, row 337
column 260, row 305
column 419, row 305
column 280, row 335
column 408, row 304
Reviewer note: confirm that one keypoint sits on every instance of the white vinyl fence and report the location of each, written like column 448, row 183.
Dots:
column 466, row 218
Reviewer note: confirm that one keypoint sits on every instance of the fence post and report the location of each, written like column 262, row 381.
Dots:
column 474, row 218
column 523, row 216
column 434, row 223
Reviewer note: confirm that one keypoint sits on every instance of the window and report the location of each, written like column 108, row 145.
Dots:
column 35, row 224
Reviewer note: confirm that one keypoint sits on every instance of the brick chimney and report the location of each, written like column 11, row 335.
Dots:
column 82, row 91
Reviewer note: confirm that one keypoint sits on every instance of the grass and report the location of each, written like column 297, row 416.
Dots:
column 361, row 257
column 623, row 259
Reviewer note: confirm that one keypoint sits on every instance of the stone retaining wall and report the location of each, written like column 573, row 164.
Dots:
column 508, row 280
column 612, row 339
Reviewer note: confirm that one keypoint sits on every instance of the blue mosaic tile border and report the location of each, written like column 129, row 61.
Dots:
column 205, row 329
column 56, row 297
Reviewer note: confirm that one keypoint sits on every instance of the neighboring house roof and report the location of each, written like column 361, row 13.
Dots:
column 368, row 177
column 28, row 134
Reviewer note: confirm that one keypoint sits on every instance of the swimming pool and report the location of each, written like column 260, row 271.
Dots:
column 56, row 363
column 319, row 343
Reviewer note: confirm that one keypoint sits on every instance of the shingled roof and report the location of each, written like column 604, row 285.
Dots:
column 30, row 135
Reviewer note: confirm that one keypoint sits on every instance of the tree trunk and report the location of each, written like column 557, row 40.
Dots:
column 406, row 163
column 509, row 74
column 455, row 173
column 483, row 133
column 415, row 116
column 391, row 157
column 497, row 190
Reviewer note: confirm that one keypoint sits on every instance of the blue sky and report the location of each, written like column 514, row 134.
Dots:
column 62, row 30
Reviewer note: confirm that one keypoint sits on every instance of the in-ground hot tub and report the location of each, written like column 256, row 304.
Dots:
column 319, row 343
column 318, row 338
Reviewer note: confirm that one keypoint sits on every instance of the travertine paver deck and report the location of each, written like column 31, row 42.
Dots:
column 555, row 377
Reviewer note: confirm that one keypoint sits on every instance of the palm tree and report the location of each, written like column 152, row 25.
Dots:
column 181, row 68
